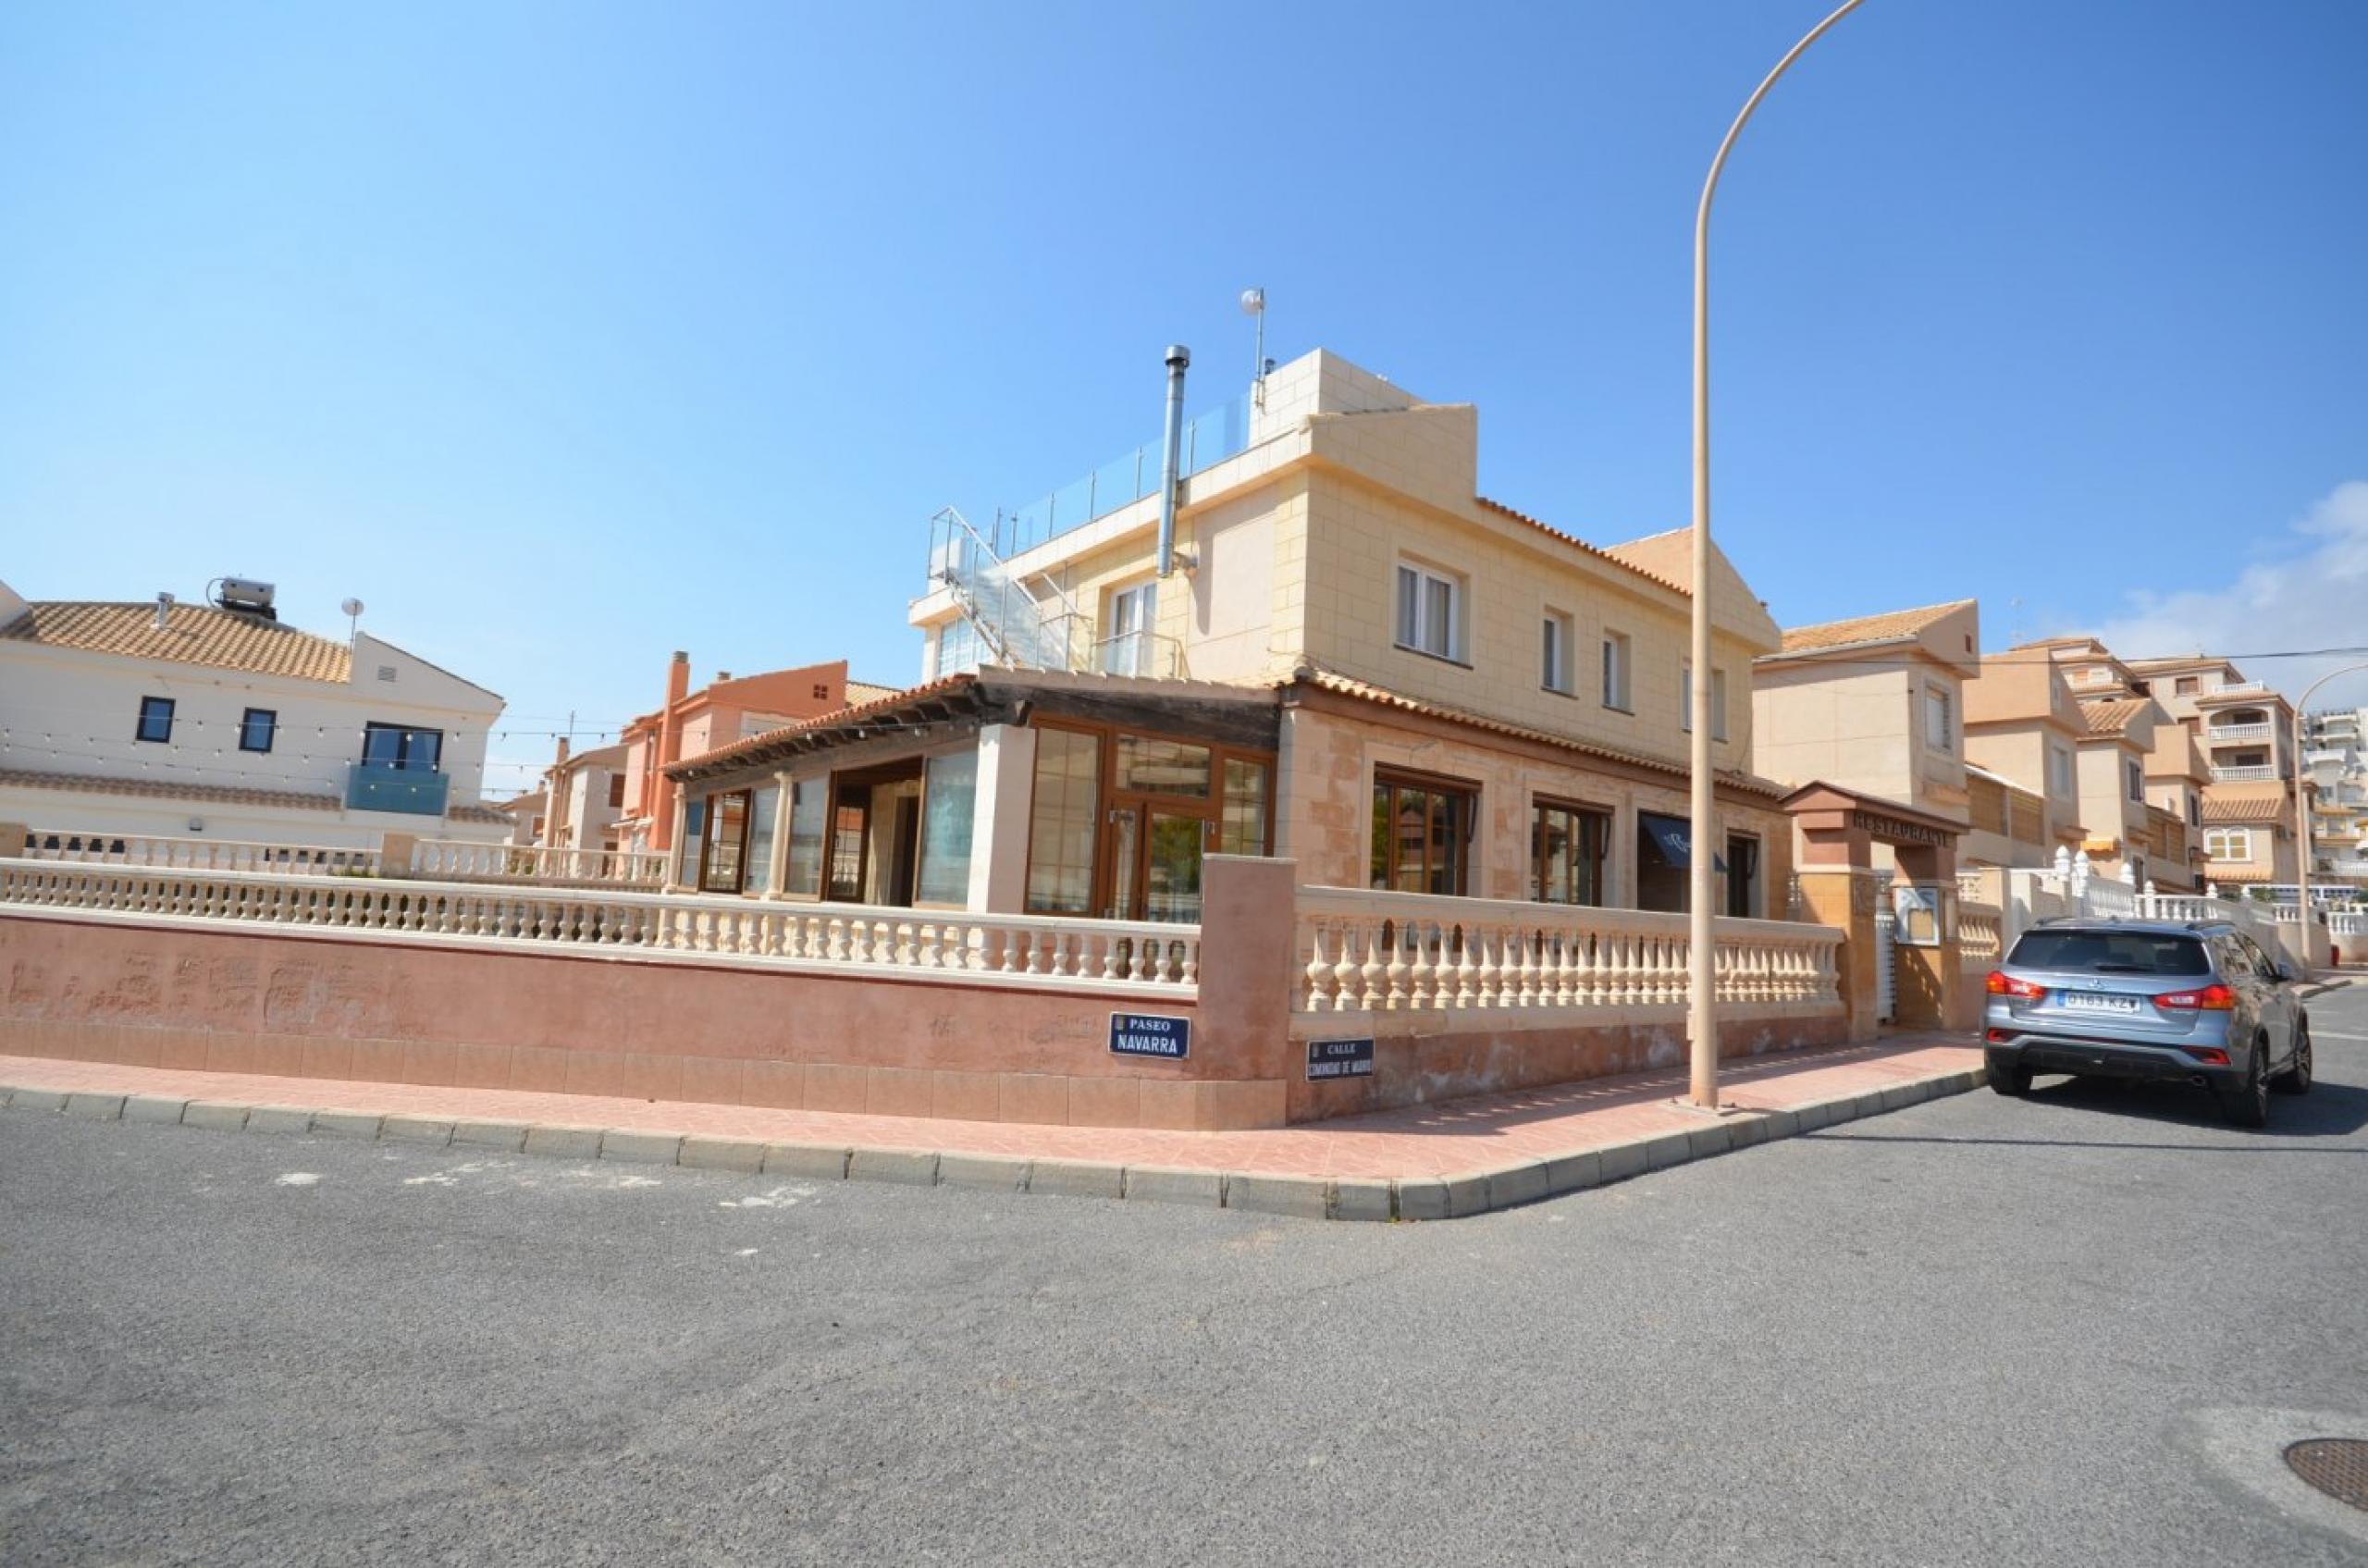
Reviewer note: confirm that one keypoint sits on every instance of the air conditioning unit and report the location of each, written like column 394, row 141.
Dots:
column 244, row 593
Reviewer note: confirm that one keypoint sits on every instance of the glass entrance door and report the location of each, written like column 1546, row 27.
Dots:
column 1154, row 857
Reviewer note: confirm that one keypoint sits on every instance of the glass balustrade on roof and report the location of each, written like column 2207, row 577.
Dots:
column 1209, row 439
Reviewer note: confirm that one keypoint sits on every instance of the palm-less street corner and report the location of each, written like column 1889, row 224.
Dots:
column 2068, row 1329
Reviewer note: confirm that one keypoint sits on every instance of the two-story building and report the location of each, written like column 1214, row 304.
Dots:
column 221, row 719
column 1344, row 654
column 584, row 796
column 691, row 722
column 2023, row 731
column 1874, row 704
column 2246, row 732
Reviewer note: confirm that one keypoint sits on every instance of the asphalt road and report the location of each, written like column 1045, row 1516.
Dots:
column 2066, row 1330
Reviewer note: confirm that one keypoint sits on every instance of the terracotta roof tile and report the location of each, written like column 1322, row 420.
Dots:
column 1596, row 550
column 1349, row 686
column 2246, row 803
column 866, row 691
column 2111, row 716
column 1892, row 625
column 217, row 795
column 194, row 634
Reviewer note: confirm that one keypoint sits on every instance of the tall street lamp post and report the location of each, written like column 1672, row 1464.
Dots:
column 1700, row 857
column 2303, row 805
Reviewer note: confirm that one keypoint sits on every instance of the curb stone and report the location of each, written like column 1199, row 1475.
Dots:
column 1412, row 1198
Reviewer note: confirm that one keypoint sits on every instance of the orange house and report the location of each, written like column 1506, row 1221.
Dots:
column 726, row 710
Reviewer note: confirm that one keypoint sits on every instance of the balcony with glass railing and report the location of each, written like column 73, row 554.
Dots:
column 389, row 787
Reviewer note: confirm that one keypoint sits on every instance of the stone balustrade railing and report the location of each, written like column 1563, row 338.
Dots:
column 83, row 847
column 1129, row 957
column 451, row 859
column 1362, row 951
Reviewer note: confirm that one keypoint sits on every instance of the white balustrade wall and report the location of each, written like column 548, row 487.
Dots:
column 1362, row 951
column 1135, row 959
column 194, row 853
column 449, row 859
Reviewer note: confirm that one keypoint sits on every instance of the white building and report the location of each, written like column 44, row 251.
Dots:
column 161, row 718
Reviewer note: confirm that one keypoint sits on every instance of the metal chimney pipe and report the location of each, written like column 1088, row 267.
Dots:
column 1171, row 454
column 164, row 610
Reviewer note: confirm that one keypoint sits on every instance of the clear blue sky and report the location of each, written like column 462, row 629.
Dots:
column 569, row 335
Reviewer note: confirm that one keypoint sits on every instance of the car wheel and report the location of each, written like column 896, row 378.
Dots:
column 2296, row 1079
column 2014, row 1081
column 2247, row 1103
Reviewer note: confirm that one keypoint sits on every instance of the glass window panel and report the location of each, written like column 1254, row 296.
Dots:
column 727, row 821
column 1243, row 827
column 806, row 805
column 1410, row 588
column 1172, row 869
column 762, row 807
column 1163, row 766
column 256, row 728
column 947, row 800
column 1062, row 816
column 1439, row 617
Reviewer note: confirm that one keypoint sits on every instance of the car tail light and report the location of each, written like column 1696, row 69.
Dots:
column 2210, row 1055
column 2001, row 983
column 2213, row 998
column 2000, row 1036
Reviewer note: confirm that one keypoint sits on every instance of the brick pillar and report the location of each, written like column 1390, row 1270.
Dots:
column 1930, row 979
column 1843, row 897
column 1249, row 917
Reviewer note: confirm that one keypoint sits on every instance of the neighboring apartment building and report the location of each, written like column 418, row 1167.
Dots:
column 1874, row 704
column 525, row 814
column 164, row 718
column 688, row 722
column 585, row 794
column 1357, row 661
column 2245, row 731
column 2023, row 731
column 2335, row 751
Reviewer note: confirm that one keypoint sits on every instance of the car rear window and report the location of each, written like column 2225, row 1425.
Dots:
column 2111, row 951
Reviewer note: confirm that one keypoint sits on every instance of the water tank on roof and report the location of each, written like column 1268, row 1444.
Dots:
column 244, row 593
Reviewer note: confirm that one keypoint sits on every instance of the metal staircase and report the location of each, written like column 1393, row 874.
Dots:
column 1018, row 627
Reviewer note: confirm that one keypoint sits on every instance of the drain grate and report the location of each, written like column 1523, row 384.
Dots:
column 2337, row 1466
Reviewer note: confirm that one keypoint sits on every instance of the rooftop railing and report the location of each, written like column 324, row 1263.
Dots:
column 1219, row 433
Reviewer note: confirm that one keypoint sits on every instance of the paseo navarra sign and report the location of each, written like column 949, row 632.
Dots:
column 1151, row 1034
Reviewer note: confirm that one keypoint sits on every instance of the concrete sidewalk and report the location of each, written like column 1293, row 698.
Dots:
column 1436, row 1162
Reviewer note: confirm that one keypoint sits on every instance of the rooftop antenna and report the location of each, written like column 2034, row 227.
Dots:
column 1254, row 304
column 353, row 608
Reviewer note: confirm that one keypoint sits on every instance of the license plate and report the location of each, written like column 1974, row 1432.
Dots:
column 2078, row 1002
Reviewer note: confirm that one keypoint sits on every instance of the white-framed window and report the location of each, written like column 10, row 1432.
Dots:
column 1939, row 721
column 1430, row 612
column 1125, row 639
column 1554, row 651
column 1616, row 662
column 1717, row 700
column 2135, row 776
column 2059, row 763
column 2228, row 844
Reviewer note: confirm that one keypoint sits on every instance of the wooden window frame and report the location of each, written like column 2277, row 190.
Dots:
column 1436, row 784
column 1109, row 798
column 1611, row 817
column 706, row 837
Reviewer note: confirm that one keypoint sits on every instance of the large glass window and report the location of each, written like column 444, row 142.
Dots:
column 763, row 805
column 1149, row 766
column 810, row 798
column 693, row 845
column 1242, row 830
column 397, row 745
column 727, row 840
column 1127, row 631
column 1422, row 835
column 948, row 800
column 1062, row 818
column 1567, row 846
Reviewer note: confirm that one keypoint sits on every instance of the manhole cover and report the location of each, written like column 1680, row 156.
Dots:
column 2337, row 1466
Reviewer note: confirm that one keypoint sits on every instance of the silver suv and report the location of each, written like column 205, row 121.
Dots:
column 2148, row 999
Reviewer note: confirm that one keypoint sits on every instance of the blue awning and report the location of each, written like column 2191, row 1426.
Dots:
column 1673, row 836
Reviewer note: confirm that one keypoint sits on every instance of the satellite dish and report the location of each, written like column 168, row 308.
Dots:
column 352, row 607
column 1252, row 300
